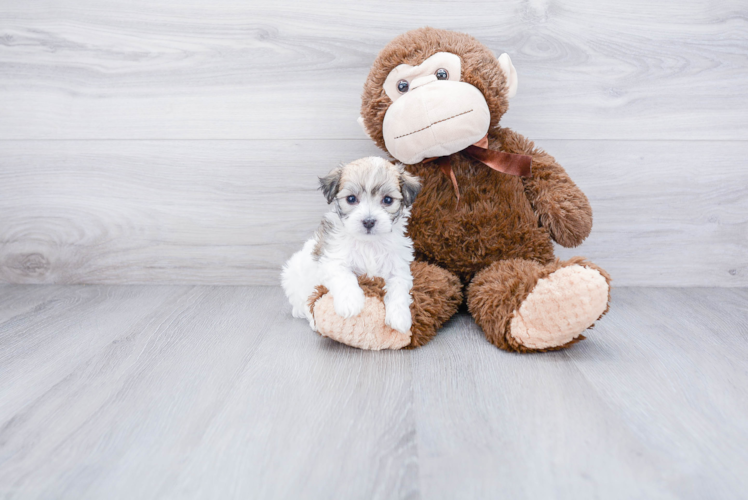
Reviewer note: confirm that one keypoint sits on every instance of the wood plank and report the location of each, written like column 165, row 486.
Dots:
column 231, row 212
column 650, row 406
column 665, row 213
column 212, row 392
column 230, row 69
column 21, row 300
column 106, row 352
column 499, row 425
column 51, row 335
column 671, row 364
column 217, row 392
column 308, row 418
column 237, row 208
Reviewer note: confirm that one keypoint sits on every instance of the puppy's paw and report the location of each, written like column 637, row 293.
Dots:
column 397, row 316
column 298, row 312
column 349, row 304
column 310, row 318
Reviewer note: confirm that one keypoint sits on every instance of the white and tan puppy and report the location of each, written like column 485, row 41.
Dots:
column 364, row 233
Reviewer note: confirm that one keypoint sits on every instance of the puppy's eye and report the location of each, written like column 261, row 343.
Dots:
column 352, row 200
column 442, row 74
column 402, row 86
column 387, row 200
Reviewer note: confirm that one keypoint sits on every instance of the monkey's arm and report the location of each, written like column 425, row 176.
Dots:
column 561, row 206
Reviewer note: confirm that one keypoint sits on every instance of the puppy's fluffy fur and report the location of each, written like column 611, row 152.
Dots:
column 364, row 233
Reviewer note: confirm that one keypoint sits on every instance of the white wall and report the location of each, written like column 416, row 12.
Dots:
column 179, row 141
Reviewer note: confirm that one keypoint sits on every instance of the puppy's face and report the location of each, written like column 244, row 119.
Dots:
column 370, row 195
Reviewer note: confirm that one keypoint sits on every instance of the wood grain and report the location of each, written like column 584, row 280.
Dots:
column 231, row 212
column 688, row 388
column 192, row 393
column 179, row 142
column 650, row 406
column 231, row 69
column 217, row 392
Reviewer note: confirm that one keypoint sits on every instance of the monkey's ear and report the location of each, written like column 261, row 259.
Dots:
column 330, row 184
column 363, row 125
column 410, row 186
column 510, row 74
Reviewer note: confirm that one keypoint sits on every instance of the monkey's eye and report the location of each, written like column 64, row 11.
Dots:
column 351, row 200
column 402, row 86
column 442, row 74
column 387, row 200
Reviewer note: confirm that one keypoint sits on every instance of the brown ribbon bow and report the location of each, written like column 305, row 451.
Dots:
column 507, row 163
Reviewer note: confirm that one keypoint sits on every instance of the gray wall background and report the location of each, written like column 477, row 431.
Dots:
column 179, row 141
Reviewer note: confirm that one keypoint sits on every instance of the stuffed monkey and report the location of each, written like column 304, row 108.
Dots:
column 490, row 207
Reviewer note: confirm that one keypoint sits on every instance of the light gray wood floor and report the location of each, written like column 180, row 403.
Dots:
column 216, row 392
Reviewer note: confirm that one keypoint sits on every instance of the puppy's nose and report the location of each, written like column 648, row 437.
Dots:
column 369, row 223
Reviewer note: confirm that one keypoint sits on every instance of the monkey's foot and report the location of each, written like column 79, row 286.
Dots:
column 560, row 307
column 436, row 294
column 367, row 330
column 525, row 306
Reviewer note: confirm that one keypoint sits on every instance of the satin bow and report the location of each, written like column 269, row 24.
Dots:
column 507, row 163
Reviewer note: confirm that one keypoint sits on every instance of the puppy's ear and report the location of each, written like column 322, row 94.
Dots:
column 410, row 186
column 330, row 184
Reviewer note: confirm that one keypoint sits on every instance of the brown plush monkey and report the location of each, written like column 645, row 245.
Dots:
column 483, row 225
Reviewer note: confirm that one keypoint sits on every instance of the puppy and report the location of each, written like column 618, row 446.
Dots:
column 364, row 233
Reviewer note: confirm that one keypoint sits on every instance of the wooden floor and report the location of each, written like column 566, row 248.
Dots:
column 216, row 392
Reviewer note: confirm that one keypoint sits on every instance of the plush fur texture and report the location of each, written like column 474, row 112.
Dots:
column 480, row 68
column 436, row 293
column 364, row 331
column 497, row 294
column 499, row 216
column 498, row 243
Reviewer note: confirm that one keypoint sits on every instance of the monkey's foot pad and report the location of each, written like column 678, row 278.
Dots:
column 560, row 307
column 365, row 331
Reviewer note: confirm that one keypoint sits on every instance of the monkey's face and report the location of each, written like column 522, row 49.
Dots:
column 433, row 113
column 436, row 105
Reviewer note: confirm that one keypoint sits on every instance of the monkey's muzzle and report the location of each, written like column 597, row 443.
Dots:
column 435, row 118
